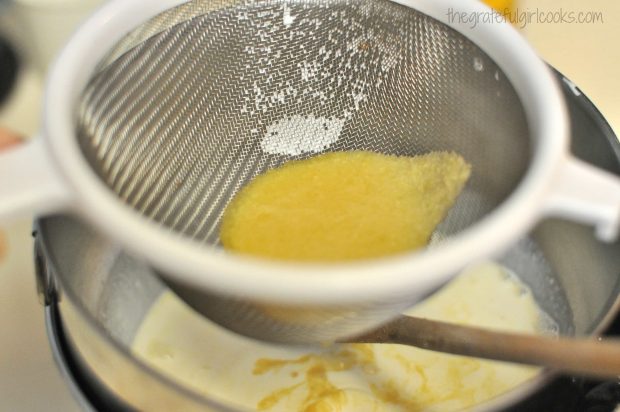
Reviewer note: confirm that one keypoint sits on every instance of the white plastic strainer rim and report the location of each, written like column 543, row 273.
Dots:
column 413, row 274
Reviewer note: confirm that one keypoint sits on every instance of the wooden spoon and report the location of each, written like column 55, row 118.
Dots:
column 583, row 356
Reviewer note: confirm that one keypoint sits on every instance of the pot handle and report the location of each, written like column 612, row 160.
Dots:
column 587, row 194
column 30, row 182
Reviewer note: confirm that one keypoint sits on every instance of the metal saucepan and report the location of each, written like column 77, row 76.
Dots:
column 101, row 295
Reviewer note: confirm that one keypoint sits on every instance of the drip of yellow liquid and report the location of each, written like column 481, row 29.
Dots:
column 344, row 206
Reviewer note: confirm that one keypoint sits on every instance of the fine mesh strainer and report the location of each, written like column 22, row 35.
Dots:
column 158, row 112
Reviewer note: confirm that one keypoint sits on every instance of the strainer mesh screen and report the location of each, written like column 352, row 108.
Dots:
column 196, row 102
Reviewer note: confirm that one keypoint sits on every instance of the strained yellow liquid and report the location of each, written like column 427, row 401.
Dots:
column 344, row 206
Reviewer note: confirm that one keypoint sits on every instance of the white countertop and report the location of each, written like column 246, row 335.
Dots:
column 589, row 54
column 29, row 380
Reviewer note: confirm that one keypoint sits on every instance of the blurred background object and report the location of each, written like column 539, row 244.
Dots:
column 40, row 27
column 8, row 69
column 502, row 6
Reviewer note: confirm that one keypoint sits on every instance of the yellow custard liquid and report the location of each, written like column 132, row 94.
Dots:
column 344, row 206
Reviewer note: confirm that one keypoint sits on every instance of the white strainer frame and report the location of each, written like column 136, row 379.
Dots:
column 50, row 174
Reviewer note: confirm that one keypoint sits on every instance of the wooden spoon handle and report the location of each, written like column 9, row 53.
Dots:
column 589, row 357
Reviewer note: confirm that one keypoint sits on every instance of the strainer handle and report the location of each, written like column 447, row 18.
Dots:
column 29, row 182
column 587, row 194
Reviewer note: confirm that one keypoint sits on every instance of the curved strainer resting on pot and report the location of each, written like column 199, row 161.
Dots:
column 197, row 101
